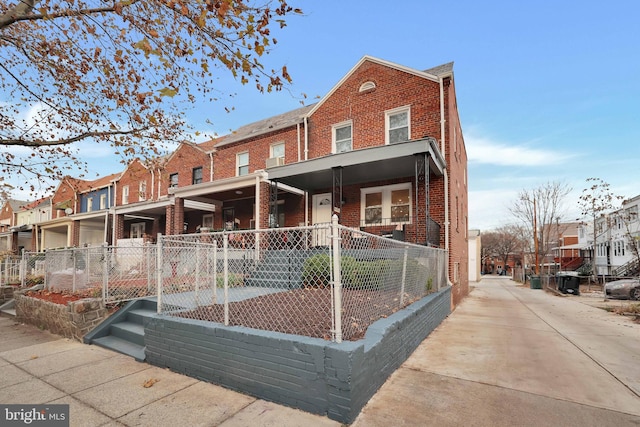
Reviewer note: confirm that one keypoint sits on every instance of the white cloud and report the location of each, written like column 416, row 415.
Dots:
column 486, row 151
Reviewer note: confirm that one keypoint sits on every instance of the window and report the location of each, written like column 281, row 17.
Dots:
column 173, row 180
column 207, row 221
column 397, row 124
column 342, row 140
column 125, row 195
column 142, row 191
column 197, row 175
column 242, row 161
column 386, row 205
column 103, row 201
column 277, row 150
column 89, row 204
column 137, row 230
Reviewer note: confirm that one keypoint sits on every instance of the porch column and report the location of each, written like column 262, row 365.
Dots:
column 178, row 220
column 422, row 179
column 273, row 204
column 336, row 197
column 168, row 225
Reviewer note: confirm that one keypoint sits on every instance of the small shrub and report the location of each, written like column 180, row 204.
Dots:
column 317, row 270
column 234, row 280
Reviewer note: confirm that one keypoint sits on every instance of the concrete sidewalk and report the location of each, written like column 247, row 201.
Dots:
column 508, row 355
column 514, row 356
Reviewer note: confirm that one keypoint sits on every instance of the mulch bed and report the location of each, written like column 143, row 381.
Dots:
column 60, row 297
column 305, row 312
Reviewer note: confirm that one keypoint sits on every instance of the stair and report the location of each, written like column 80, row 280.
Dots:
column 124, row 331
column 8, row 309
column 278, row 269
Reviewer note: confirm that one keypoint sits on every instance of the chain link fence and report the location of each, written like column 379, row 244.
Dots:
column 114, row 273
column 324, row 281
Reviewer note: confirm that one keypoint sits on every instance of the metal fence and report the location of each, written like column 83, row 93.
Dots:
column 113, row 272
column 324, row 281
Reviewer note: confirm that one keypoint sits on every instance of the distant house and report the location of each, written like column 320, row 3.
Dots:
column 9, row 241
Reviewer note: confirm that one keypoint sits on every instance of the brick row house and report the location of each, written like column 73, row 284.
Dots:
column 383, row 150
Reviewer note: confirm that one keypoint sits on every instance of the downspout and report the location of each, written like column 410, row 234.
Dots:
column 298, row 131
column 211, row 167
column 113, row 210
column 446, row 177
column 153, row 184
column 257, row 203
column 306, row 138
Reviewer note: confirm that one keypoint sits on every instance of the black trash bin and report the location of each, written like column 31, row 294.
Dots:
column 568, row 283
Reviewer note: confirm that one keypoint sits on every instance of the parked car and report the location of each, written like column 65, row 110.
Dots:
column 623, row 289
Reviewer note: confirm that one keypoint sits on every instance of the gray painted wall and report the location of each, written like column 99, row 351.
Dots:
column 311, row 374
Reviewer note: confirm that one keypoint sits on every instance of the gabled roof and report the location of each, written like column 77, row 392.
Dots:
column 262, row 127
column 16, row 204
column 43, row 202
column 366, row 58
column 441, row 70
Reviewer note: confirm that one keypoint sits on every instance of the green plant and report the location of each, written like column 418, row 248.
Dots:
column 317, row 270
column 233, row 279
column 429, row 285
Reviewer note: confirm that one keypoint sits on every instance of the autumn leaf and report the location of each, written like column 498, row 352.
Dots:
column 150, row 382
column 168, row 92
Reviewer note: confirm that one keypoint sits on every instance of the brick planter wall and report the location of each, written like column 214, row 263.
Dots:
column 311, row 374
column 71, row 321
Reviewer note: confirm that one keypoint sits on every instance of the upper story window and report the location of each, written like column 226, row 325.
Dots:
column 342, row 137
column 173, row 180
column 89, row 204
column 103, row 201
column 242, row 164
column 398, row 125
column 142, row 191
column 197, row 175
column 125, row 195
column 277, row 150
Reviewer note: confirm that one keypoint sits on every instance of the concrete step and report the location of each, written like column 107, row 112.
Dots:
column 130, row 331
column 122, row 346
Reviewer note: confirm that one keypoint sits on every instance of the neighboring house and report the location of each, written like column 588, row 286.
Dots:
column 27, row 219
column 8, row 238
column 475, row 255
column 79, row 217
column 567, row 248
column 383, row 150
column 144, row 205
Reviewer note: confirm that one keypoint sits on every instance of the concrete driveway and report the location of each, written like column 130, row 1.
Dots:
column 514, row 356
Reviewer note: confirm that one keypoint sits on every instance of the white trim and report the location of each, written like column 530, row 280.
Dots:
column 387, row 126
column 334, row 128
column 385, row 190
column 239, row 165
column 284, row 149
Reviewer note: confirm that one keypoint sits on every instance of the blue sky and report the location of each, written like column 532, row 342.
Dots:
column 547, row 90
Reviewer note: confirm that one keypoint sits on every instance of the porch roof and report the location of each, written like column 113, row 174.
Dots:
column 359, row 166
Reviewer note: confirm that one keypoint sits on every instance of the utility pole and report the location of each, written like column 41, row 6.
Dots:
column 535, row 235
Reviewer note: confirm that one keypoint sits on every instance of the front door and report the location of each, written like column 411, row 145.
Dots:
column 321, row 214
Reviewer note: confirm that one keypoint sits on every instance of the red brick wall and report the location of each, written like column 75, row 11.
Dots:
column 259, row 151
column 456, row 157
column 394, row 89
column 183, row 161
column 132, row 176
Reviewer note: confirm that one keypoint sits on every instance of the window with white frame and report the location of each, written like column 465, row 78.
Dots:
column 277, row 150
column 389, row 204
column 137, row 230
column 89, row 204
column 397, row 123
column 125, row 195
column 173, row 180
column 342, row 137
column 242, row 164
column 197, row 175
column 142, row 191
column 103, row 201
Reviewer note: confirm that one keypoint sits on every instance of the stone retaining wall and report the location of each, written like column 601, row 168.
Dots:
column 71, row 321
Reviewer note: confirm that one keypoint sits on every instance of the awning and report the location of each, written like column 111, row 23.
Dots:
column 359, row 166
